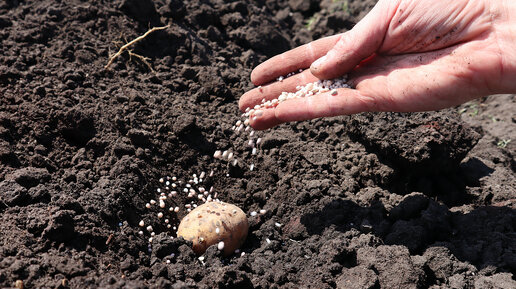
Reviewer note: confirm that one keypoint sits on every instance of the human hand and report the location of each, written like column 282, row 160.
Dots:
column 405, row 55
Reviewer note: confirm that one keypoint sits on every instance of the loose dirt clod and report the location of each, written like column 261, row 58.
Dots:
column 215, row 223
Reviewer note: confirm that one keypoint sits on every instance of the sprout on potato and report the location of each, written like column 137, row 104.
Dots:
column 212, row 223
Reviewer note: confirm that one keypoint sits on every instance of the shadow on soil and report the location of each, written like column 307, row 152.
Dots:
column 483, row 237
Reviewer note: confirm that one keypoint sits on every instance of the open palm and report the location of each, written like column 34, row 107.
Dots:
column 405, row 55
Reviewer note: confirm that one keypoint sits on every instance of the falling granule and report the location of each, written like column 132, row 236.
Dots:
column 257, row 111
column 252, row 145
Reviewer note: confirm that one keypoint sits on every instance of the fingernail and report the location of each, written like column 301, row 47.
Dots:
column 317, row 64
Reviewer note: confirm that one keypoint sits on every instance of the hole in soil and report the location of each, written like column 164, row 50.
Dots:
column 196, row 141
column 430, row 278
column 473, row 170
column 341, row 213
column 347, row 258
column 10, row 159
column 448, row 188
column 79, row 132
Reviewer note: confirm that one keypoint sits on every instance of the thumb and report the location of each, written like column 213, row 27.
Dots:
column 357, row 44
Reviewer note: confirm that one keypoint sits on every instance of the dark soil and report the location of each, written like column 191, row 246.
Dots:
column 382, row 200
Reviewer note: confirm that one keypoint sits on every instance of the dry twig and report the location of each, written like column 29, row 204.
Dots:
column 129, row 44
column 143, row 59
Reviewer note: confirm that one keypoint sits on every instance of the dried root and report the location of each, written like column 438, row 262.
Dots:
column 132, row 54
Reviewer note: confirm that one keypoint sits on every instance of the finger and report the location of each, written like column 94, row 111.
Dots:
column 292, row 60
column 346, row 101
column 266, row 121
column 273, row 90
column 357, row 44
column 417, row 82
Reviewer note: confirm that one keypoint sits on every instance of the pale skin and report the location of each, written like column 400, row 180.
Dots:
column 404, row 56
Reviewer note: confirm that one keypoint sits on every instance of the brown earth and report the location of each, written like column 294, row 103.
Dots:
column 382, row 200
